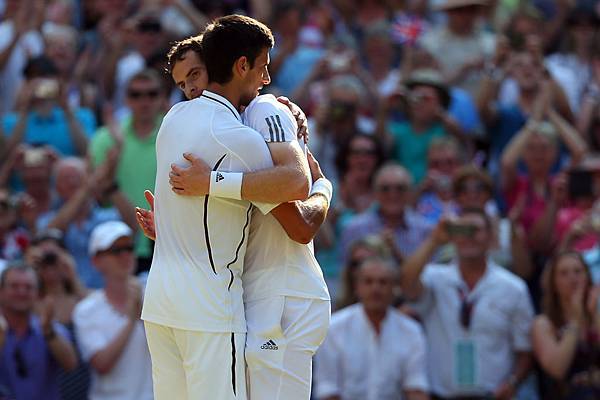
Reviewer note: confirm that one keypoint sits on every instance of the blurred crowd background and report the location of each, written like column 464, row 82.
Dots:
column 451, row 129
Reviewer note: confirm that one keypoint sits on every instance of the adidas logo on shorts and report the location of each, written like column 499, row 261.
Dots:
column 270, row 345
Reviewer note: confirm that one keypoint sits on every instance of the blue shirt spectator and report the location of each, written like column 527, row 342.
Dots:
column 27, row 369
column 52, row 129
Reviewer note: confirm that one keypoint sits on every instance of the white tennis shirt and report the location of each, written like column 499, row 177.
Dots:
column 195, row 279
column 274, row 263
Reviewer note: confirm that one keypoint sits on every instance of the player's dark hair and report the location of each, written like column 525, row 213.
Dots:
column 181, row 47
column 227, row 39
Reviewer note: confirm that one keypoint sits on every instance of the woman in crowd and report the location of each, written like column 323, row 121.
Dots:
column 356, row 162
column 566, row 337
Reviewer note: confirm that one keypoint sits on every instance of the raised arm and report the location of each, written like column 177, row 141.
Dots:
column 415, row 264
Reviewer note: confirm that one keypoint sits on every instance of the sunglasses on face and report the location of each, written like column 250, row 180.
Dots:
column 149, row 27
column 137, row 94
column 362, row 152
column 388, row 188
column 115, row 251
column 477, row 187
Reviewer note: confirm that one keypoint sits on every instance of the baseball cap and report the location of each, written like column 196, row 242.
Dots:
column 104, row 235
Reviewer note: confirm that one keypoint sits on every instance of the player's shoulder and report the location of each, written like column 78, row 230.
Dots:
column 185, row 107
column 267, row 105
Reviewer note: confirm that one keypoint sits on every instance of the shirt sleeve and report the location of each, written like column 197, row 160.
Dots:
column 328, row 368
column 253, row 154
column 272, row 120
column 522, row 320
column 426, row 301
column 89, row 332
column 415, row 371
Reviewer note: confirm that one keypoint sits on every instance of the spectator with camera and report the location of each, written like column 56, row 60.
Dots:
column 427, row 101
column 477, row 315
column 44, row 116
column 566, row 337
column 392, row 212
column 361, row 357
column 133, row 141
column 80, row 211
column 107, row 322
column 35, row 347
column 61, row 288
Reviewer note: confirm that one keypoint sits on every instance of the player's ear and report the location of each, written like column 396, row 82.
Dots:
column 241, row 66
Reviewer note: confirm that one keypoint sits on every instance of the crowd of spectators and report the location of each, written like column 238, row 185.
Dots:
column 462, row 247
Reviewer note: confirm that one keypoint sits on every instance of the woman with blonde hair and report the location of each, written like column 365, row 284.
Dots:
column 566, row 337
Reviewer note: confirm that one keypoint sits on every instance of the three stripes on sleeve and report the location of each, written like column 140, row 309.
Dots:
column 275, row 129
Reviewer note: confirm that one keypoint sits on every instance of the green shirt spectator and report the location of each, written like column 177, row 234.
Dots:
column 410, row 147
column 136, row 170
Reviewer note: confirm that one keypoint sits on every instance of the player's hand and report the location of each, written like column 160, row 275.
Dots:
column 193, row 180
column 145, row 218
column 315, row 168
column 299, row 116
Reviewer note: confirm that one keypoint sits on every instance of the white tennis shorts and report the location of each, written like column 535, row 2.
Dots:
column 194, row 365
column 283, row 335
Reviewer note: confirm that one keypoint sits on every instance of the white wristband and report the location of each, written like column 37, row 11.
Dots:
column 226, row 184
column 323, row 186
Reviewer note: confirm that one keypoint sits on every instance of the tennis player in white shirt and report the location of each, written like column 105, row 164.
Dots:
column 286, row 299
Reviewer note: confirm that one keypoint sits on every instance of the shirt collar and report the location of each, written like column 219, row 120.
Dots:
column 457, row 279
column 213, row 97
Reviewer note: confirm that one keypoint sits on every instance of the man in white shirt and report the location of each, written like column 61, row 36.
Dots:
column 477, row 315
column 287, row 302
column 197, row 313
column 372, row 351
column 107, row 322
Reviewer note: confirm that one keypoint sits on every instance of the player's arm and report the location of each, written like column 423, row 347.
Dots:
column 302, row 219
column 286, row 181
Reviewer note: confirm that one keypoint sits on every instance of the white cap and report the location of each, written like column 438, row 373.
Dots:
column 104, row 235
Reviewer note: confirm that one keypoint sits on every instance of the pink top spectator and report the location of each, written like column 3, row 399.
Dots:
column 534, row 203
column 565, row 218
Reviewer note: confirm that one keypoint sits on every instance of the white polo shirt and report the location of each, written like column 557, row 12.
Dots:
column 195, row 279
column 274, row 263
column 97, row 324
column 475, row 360
column 355, row 363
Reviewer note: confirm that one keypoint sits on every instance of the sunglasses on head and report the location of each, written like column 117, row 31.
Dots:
column 136, row 94
column 119, row 250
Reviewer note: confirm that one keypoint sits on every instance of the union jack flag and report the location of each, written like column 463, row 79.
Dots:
column 406, row 29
